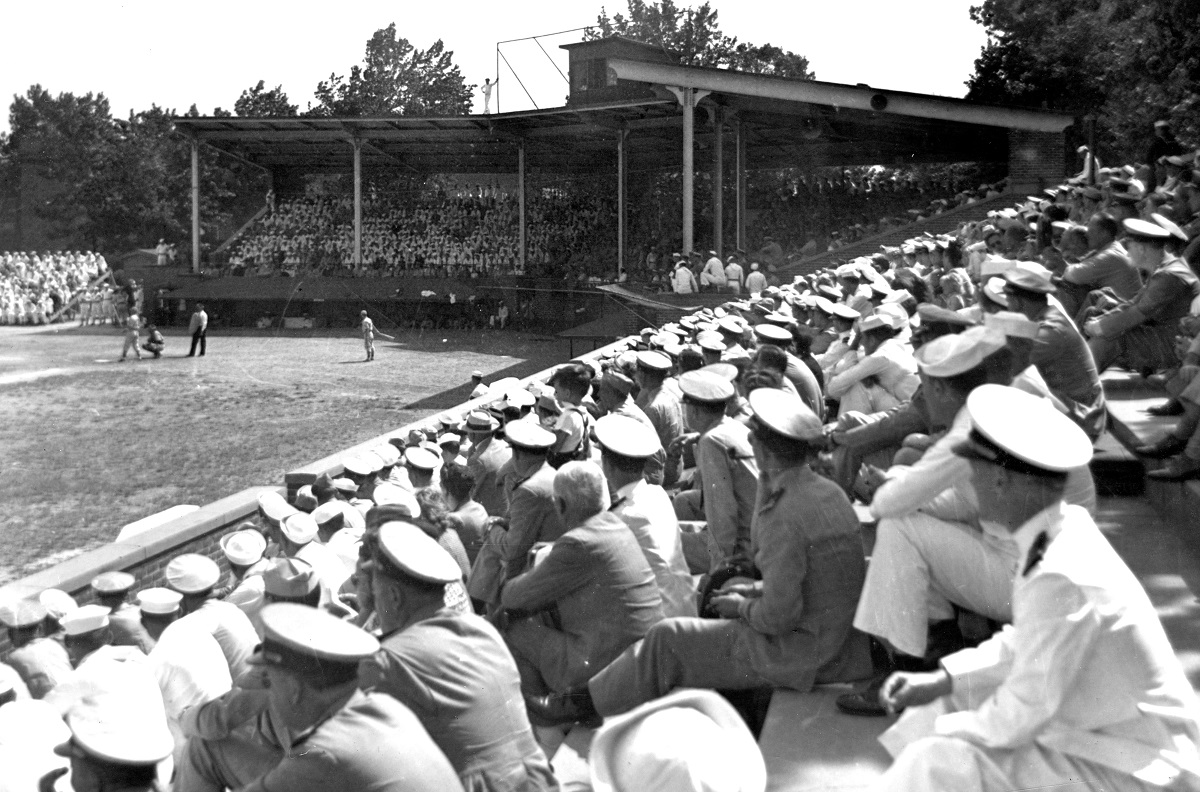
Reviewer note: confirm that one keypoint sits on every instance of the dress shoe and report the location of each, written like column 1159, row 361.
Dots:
column 1179, row 468
column 560, row 709
column 864, row 702
column 1169, row 407
column 1167, row 446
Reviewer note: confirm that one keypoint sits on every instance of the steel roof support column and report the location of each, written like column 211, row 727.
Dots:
column 621, row 167
column 718, row 182
column 689, row 167
column 357, row 145
column 521, row 201
column 741, row 186
column 195, row 204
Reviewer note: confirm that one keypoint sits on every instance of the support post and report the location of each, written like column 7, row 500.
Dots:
column 357, row 144
column 521, row 201
column 718, row 183
column 621, row 167
column 741, row 187
column 688, row 172
column 195, row 204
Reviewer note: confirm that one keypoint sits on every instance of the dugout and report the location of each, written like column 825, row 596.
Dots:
column 633, row 108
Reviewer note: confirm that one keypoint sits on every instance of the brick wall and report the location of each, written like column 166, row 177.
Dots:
column 1036, row 160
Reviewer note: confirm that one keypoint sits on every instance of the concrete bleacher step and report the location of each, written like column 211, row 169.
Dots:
column 1129, row 396
column 810, row 746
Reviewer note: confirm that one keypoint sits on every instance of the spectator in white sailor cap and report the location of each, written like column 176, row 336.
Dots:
column 625, row 447
column 158, row 607
column 800, row 375
column 194, row 576
column 298, row 540
column 1140, row 334
column 839, row 354
column 421, row 464
column 41, row 661
column 451, row 668
column 338, row 736
column 360, row 468
column 886, row 374
column 686, row 741
column 244, row 548
column 85, row 630
column 791, row 628
column 340, row 527
column 725, row 482
column 1086, row 662
column 658, row 396
column 125, row 621
column 532, row 517
column 1060, row 352
column 615, row 399
column 934, row 547
column 118, row 738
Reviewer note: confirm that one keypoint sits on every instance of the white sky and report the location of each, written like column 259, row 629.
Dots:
column 143, row 52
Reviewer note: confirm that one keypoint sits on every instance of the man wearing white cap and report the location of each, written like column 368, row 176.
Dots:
column 712, row 277
column 1061, row 354
column 195, row 576
column 934, row 547
column 886, row 375
column 297, row 535
column 661, row 404
column 1140, row 334
column 625, row 446
column 532, row 517
column 125, row 620
column 158, row 608
column 726, row 478
column 597, row 581
column 244, row 548
column 734, row 275
column 118, row 739
column 642, row 749
column 451, row 669
column 41, row 662
column 789, row 629
column 1083, row 689
column 338, row 737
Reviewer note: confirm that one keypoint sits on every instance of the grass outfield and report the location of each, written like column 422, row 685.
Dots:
column 89, row 444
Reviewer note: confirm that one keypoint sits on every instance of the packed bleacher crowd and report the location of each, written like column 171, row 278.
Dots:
column 677, row 513
column 453, row 233
column 33, row 286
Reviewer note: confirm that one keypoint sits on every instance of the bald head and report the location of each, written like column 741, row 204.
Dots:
column 580, row 492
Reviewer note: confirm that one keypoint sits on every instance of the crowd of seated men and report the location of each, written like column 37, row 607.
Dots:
column 33, row 286
column 675, row 516
column 459, row 233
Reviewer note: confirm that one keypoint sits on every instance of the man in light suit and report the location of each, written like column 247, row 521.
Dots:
column 1083, row 689
column 591, row 596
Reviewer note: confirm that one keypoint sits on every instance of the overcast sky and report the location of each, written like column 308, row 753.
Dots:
column 143, row 52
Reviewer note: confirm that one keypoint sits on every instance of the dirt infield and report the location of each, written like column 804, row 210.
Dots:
column 89, row 444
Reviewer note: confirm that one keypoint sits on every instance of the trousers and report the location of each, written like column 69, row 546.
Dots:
column 217, row 765
column 921, row 567
column 679, row 652
column 198, row 338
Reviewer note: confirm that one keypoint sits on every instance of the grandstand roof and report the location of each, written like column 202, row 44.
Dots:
column 830, row 124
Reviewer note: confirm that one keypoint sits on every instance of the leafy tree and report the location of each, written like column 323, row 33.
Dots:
column 396, row 77
column 1126, row 62
column 694, row 36
column 261, row 103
